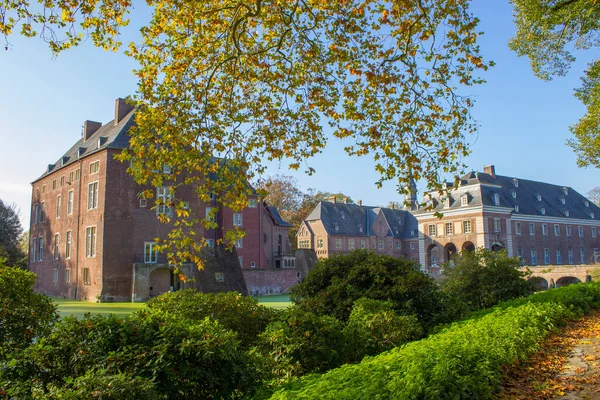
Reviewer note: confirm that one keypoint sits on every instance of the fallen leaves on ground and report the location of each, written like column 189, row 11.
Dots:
column 567, row 364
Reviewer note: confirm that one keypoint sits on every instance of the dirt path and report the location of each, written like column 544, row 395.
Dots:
column 566, row 367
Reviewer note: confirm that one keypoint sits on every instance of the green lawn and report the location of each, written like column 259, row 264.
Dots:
column 78, row 308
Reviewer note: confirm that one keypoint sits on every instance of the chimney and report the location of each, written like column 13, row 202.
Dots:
column 89, row 128
column 359, row 202
column 121, row 109
column 345, row 200
column 490, row 170
column 333, row 199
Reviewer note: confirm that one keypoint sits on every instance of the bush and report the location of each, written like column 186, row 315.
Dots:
column 480, row 279
column 24, row 314
column 462, row 361
column 300, row 342
column 238, row 313
column 333, row 286
column 374, row 327
column 184, row 360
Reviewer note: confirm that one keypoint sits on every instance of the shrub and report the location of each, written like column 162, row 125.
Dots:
column 300, row 342
column 184, row 360
column 24, row 314
column 480, row 279
column 333, row 286
column 462, row 361
column 374, row 327
column 238, row 313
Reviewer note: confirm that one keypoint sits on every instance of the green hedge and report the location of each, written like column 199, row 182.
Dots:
column 462, row 361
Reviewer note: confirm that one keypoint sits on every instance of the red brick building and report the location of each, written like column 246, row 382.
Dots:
column 92, row 236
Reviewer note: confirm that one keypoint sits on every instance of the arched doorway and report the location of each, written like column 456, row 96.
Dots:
column 433, row 255
column 449, row 251
column 161, row 281
column 566, row 280
column 468, row 246
column 538, row 283
column 497, row 246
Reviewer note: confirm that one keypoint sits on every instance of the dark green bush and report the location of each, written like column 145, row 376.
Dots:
column 374, row 327
column 337, row 282
column 24, row 314
column 184, row 360
column 238, row 313
column 462, row 361
column 300, row 342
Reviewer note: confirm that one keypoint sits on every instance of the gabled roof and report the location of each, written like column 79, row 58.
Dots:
column 113, row 137
column 276, row 217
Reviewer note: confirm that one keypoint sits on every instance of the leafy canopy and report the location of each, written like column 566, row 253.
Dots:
column 270, row 80
column 547, row 33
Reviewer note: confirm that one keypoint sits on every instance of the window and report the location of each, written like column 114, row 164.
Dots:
column 533, row 257
column 33, row 249
column 464, row 200
column 68, row 245
column 253, row 264
column 40, row 248
column 166, row 168
column 543, row 210
column 513, row 193
column 449, row 228
column 319, row 243
column 466, row 226
column 446, row 202
column 546, row 256
column 35, row 213
column 363, row 244
column 90, row 241
column 150, row 253
column 70, row 202
column 570, row 255
column 42, row 211
column 380, row 244
column 71, row 176
column 497, row 227
column 58, row 201
column 210, row 243
column 532, row 229
column 92, row 195
column 374, row 244
column 398, row 245
column 211, row 196
column 539, row 197
column 580, row 231
column 412, row 245
column 338, row 243
column 350, row 244
column 77, row 174
column 567, row 213
column 211, row 215
column 54, row 185
column 432, row 230
column 68, row 275
column 163, row 197
column 185, row 205
column 593, row 231
column 220, row 277
column 545, row 229
column 43, row 188
column 237, row 219
column 241, row 261
column 143, row 203
column 516, row 182
column 516, row 208
column 87, row 278
column 568, row 230
column 94, row 167
column 239, row 243
column 56, row 254
column 582, row 255
column 520, row 255
column 304, row 244
column 563, row 200
column 518, row 228
column 55, row 275
column 558, row 257
column 587, row 203
column 496, row 199
column 62, row 181
column 556, row 230
column 252, row 203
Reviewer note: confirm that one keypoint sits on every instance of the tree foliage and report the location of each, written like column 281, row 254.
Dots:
column 269, row 80
column 10, row 236
column 482, row 278
column 594, row 195
column 547, row 33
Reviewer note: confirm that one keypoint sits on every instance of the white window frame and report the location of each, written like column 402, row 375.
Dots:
column 55, row 275
column 546, row 256
column 582, row 254
column 163, row 196
column 544, row 229
column 150, row 253
column 36, row 208
column 70, row 199
column 518, row 228
column 252, row 203
column 570, row 255
column 497, row 225
column 241, row 261
column 449, row 228
column 593, row 231
column 238, row 219
column 42, row 211
column 568, row 230
column 580, row 231
column 464, row 200
column 68, row 239
column 381, row 244
column 319, row 243
column 533, row 255
column 239, row 243
column 56, row 250
column 338, row 243
column 210, row 243
column 558, row 257
column 363, row 243
column 87, row 276
column 531, row 229
column 143, row 203
column 556, row 230
column 412, row 245
column 67, row 275
column 41, row 248
column 351, row 244
column 91, row 239
column 33, row 249
column 467, row 228
column 432, row 229
column 58, row 204
column 94, row 167
column 93, row 188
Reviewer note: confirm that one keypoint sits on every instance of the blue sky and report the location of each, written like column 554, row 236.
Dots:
column 523, row 121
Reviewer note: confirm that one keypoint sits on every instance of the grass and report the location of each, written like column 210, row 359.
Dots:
column 78, row 308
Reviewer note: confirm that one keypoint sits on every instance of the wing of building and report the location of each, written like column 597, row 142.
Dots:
column 541, row 223
column 93, row 237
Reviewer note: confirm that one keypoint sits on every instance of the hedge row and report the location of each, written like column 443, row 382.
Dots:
column 461, row 361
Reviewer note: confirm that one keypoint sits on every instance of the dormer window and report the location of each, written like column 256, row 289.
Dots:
column 592, row 215
column 516, row 208
column 539, row 197
column 516, row 182
column 447, row 202
column 567, row 213
column 336, row 227
column 360, row 228
column 464, row 200
column 587, row 203
column 565, row 190
column 543, row 210
column 563, row 200
column 343, row 215
column 496, row 199
column 513, row 193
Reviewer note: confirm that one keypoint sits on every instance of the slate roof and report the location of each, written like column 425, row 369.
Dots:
column 114, row 137
column 481, row 187
column 276, row 217
column 355, row 220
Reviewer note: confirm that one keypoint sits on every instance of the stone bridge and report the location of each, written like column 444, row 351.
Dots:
column 548, row 276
